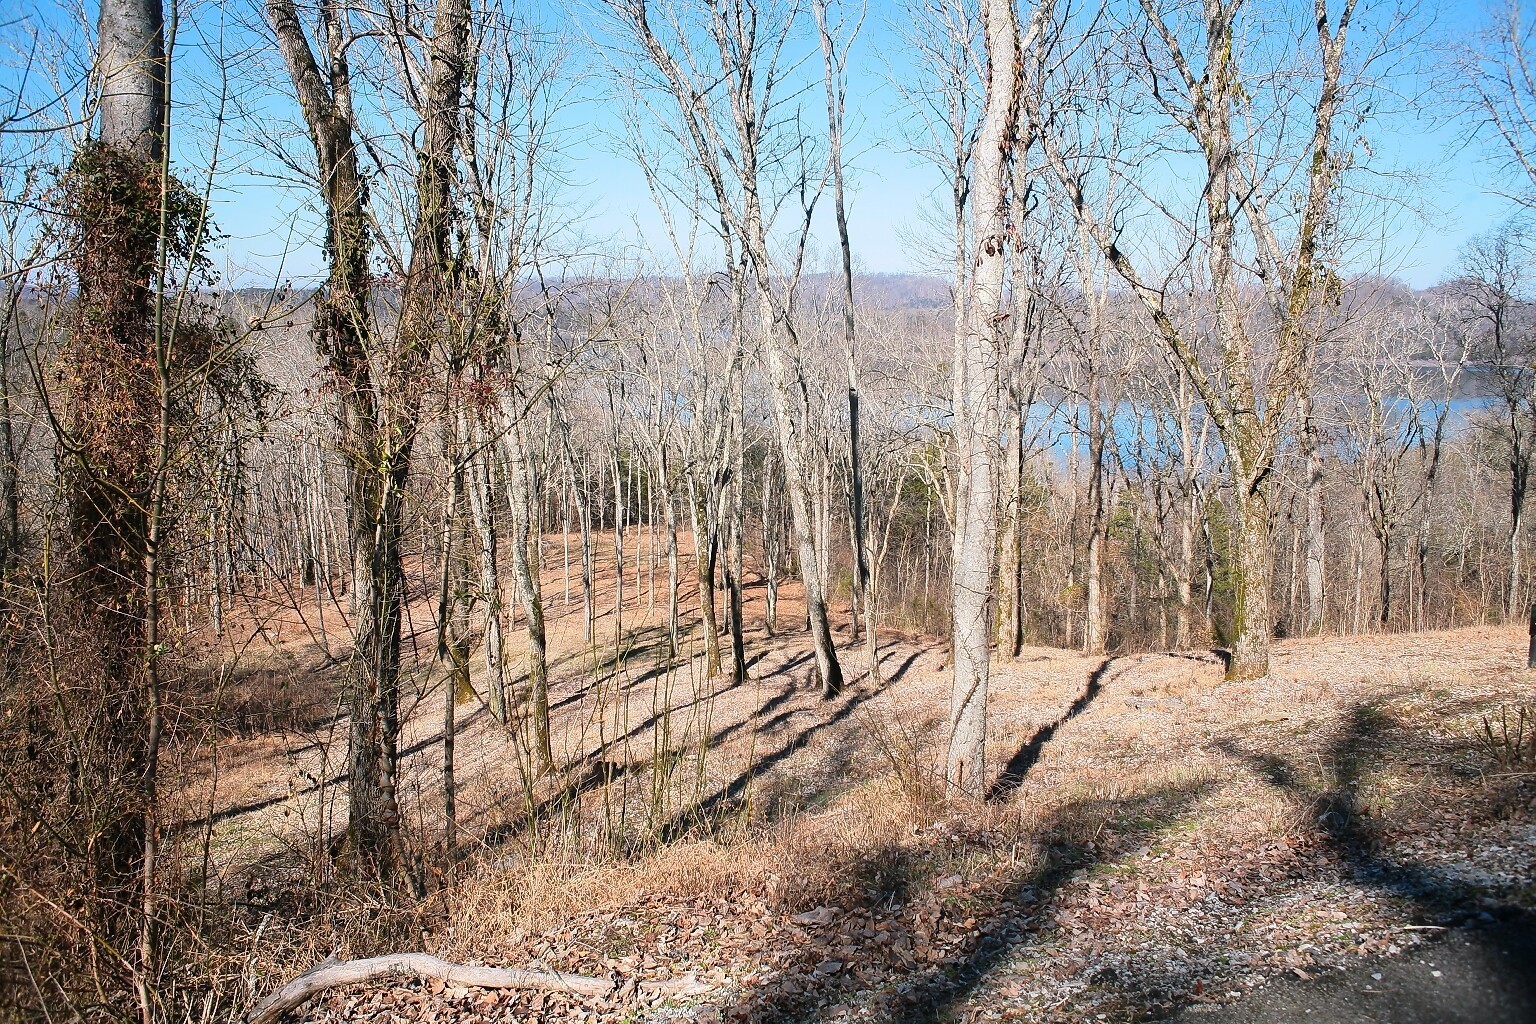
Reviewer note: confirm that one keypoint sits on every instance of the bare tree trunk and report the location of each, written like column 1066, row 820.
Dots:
column 588, row 593
column 664, row 483
column 1384, row 542
column 453, row 686
column 835, row 65
column 1091, row 335
column 1093, row 618
column 527, row 573
column 704, row 540
column 1192, row 519
column 746, row 80
column 482, row 507
column 975, row 411
column 379, row 415
column 649, row 535
column 770, row 552
column 1316, row 550
column 1293, row 576
column 565, row 534
column 1095, row 632
column 1251, row 617
column 1011, row 572
column 215, row 549
column 453, row 616
column 342, row 317
column 790, row 417
column 134, row 73
column 1184, row 584
column 1512, row 609
column 1020, row 380
column 733, row 583
column 619, row 519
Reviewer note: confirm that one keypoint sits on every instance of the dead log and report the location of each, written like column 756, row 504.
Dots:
column 333, row 973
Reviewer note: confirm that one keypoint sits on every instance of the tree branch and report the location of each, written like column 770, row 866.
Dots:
column 333, row 973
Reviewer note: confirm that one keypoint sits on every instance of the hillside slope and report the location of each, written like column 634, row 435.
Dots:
column 1155, row 838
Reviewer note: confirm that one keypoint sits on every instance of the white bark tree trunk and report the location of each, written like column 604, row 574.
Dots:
column 975, row 412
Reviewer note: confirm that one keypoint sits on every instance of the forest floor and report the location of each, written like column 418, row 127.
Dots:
column 1156, row 841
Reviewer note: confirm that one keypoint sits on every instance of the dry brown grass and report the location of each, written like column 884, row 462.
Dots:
column 682, row 800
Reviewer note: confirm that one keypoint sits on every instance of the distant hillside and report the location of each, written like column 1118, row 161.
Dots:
column 903, row 291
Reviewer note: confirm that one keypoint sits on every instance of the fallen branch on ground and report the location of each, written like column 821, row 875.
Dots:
column 335, row 973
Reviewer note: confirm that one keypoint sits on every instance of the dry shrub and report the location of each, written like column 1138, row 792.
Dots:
column 69, row 885
column 78, row 777
column 906, row 751
column 69, row 804
column 858, row 850
column 1509, row 737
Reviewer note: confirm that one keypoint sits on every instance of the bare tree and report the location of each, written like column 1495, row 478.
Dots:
column 1244, row 168
column 836, row 63
column 1493, row 76
column 381, row 375
column 1493, row 281
column 1388, row 421
column 732, row 143
column 975, row 407
column 943, row 101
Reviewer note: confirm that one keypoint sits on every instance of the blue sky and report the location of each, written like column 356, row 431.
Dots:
column 270, row 232
column 888, row 187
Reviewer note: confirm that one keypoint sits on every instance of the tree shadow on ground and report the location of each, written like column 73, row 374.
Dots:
column 651, row 640
column 898, row 983
column 1009, row 919
column 1351, row 832
column 1210, row 656
column 1358, row 840
column 755, row 720
column 589, row 775
column 1018, row 766
column 902, row 669
column 710, row 812
column 594, row 771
